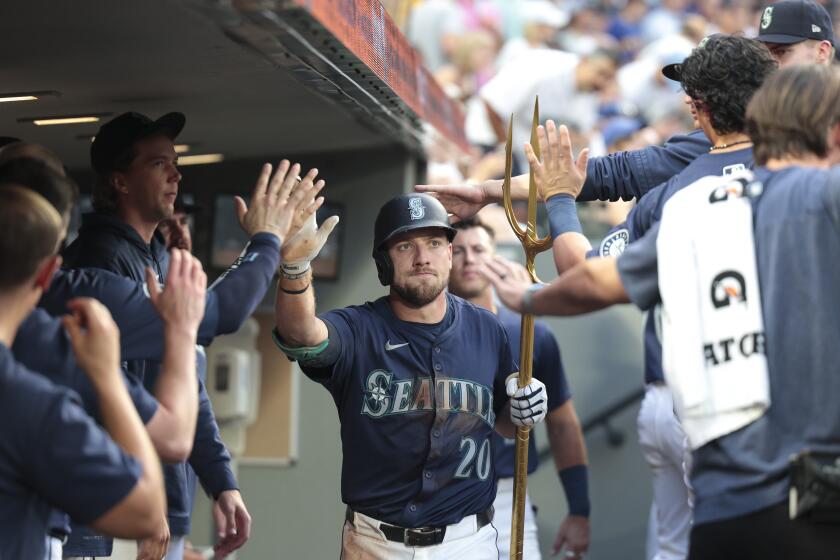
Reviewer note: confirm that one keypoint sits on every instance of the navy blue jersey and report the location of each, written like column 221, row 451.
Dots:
column 647, row 212
column 797, row 242
column 52, row 455
column 629, row 175
column 42, row 345
column 548, row 368
column 418, row 406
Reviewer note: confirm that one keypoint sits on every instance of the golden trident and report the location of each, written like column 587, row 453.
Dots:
column 532, row 245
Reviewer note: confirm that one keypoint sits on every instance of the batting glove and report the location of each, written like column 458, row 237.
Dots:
column 528, row 404
column 299, row 250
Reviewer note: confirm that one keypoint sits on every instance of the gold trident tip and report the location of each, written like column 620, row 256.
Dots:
column 527, row 236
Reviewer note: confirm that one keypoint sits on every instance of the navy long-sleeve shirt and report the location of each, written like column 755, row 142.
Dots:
column 629, row 175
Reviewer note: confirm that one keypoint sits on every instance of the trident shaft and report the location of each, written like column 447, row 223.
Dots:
column 532, row 245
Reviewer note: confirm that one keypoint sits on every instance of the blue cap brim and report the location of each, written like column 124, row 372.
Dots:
column 781, row 39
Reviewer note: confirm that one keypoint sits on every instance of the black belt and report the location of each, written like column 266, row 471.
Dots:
column 422, row 536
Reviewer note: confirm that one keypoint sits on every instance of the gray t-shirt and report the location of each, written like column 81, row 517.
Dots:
column 797, row 239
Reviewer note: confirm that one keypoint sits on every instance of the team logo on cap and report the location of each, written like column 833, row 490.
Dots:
column 614, row 244
column 767, row 17
column 728, row 287
column 415, row 206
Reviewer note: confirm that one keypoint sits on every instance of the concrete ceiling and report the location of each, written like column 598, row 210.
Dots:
column 156, row 56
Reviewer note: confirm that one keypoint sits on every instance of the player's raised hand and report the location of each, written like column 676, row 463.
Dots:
column 276, row 199
column 528, row 404
column 95, row 339
column 462, row 201
column 507, row 279
column 299, row 250
column 181, row 303
column 558, row 172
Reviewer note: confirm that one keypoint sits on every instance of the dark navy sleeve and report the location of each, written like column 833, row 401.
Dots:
column 75, row 464
column 141, row 330
column 548, row 367
column 42, row 345
column 210, row 458
column 342, row 342
column 629, row 175
column 639, row 270
column 242, row 286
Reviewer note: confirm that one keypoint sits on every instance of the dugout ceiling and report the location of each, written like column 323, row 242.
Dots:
column 254, row 77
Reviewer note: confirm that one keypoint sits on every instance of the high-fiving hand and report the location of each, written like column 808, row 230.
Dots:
column 277, row 200
column 558, row 172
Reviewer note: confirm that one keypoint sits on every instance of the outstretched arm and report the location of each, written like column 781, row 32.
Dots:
column 181, row 306
column 295, row 319
column 589, row 286
column 619, row 176
column 559, row 178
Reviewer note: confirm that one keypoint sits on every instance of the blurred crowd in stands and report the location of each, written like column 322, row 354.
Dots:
column 596, row 65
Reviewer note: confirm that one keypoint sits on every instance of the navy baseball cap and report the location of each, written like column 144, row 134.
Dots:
column 794, row 21
column 117, row 136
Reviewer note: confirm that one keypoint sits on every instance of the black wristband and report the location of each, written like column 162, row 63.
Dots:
column 294, row 292
column 575, row 482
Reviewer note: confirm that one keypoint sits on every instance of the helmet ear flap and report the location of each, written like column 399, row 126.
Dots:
column 384, row 267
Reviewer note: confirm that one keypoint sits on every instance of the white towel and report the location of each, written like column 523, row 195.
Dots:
column 712, row 326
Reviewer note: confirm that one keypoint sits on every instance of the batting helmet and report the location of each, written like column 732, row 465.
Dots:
column 404, row 213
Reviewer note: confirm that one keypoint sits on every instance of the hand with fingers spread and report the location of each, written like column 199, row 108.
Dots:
column 277, row 199
column 181, row 304
column 558, row 172
column 508, row 281
column 528, row 404
column 462, row 201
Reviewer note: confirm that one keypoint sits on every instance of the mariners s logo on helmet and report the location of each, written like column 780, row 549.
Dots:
column 767, row 17
column 415, row 205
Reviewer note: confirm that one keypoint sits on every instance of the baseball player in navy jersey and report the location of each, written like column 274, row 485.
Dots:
column 719, row 77
column 742, row 478
column 474, row 243
column 421, row 380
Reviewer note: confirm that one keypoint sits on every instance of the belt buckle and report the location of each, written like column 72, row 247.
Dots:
column 425, row 536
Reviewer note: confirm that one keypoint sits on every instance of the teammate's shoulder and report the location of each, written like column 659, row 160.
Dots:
column 20, row 385
column 470, row 310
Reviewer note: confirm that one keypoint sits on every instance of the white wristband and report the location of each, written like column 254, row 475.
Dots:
column 528, row 296
column 293, row 271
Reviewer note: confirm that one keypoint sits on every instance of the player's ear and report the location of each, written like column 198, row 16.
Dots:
column 45, row 272
column 826, row 52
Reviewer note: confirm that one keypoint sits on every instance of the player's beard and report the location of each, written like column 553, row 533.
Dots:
column 421, row 293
